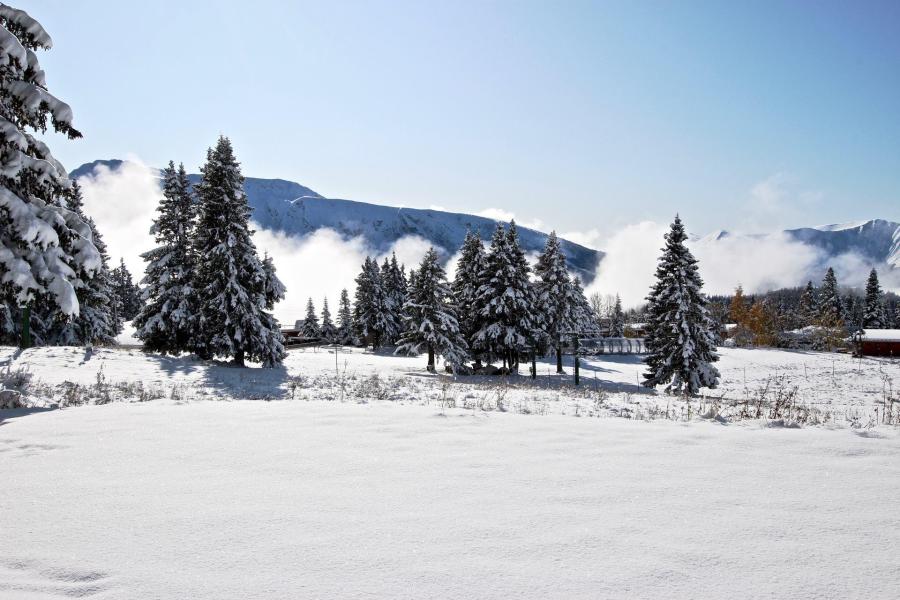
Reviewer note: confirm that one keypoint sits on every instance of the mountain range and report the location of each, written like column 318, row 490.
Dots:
column 295, row 210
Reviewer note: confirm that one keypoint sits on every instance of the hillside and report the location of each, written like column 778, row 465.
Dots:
column 290, row 208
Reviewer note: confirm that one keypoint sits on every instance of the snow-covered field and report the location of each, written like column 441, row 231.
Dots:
column 396, row 493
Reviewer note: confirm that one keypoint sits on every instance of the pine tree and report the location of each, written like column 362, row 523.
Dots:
column 45, row 248
column 830, row 308
column 127, row 293
column 505, row 300
column 875, row 316
column 430, row 317
column 585, row 319
column 97, row 321
column 555, row 295
column 345, row 320
column 328, row 331
column 393, row 279
column 680, row 334
column 617, row 322
column 466, row 283
column 165, row 322
column 371, row 317
column 311, row 328
column 235, row 289
column 807, row 311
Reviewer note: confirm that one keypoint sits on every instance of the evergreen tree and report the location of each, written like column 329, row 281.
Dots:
column 345, row 320
column 466, row 283
column 126, row 291
column 680, row 334
column 617, row 321
column 505, row 300
column 430, row 317
column 393, row 277
column 97, row 321
column 46, row 249
column 830, row 309
column 875, row 316
column 235, row 289
column 371, row 311
column 807, row 310
column 328, row 331
column 311, row 322
column 165, row 322
column 585, row 319
column 555, row 295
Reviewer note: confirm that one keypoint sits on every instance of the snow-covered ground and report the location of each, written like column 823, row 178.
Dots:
column 395, row 493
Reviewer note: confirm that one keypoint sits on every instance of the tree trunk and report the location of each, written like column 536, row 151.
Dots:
column 239, row 358
column 431, row 358
column 559, row 368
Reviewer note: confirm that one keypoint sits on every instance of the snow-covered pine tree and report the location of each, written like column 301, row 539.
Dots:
column 430, row 317
column 44, row 246
column 830, row 308
column 505, row 300
column 311, row 327
column 97, row 321
column 165, row 321
column 585, row 319
column 617, row 321
column 807, row 310
column 235, row 289
column 126, row 292
column 466, row 282
column 371, row 317
column 345, row 320
column 327, row 330
column 874, row 316
column 680, row 338
column 557, row 303
column 393, row 278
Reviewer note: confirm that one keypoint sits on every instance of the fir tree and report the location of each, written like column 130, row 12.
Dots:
column 680, row 334
column 235, row 289
column 46, row 249
column 505, row 300
column 371, row 316
column 830, row 308
column 165, row 322
column 875, row 316
column 393, row 279
column 430, row 317
column 617, row 321
column 584, row 318
column 466, row 283
column 555, row 295
column 807, row 310
column 126, row 292
column 328, row 331
column 345, row 320
column 311, row 328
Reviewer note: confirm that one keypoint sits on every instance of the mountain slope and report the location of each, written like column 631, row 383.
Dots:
column 290, row 208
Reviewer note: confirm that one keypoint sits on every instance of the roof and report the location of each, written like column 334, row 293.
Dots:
column 881, row 335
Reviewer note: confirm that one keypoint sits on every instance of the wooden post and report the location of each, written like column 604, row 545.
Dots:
column 576, row 360
column 533, row 363
column 25, row 340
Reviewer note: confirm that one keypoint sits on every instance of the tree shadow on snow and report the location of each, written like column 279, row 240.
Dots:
column 246, row 383
column 7, row 414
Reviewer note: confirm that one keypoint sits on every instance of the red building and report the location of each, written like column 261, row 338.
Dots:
column 880, row 342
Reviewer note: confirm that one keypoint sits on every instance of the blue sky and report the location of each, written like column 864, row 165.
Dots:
column 580, row 115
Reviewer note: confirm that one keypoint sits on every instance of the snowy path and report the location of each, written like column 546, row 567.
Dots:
column 322, row 500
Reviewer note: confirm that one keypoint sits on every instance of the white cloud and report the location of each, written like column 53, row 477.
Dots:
column 589, row 239
column 499, row 214
column 123, row 204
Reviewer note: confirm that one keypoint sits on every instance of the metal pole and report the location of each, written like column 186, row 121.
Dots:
column 25, row 340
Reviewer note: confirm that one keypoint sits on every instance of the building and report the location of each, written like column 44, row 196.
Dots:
column 879, row 342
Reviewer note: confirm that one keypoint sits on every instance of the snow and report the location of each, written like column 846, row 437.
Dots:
column 128, row 336
column 882, row 335
column 325, row 500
